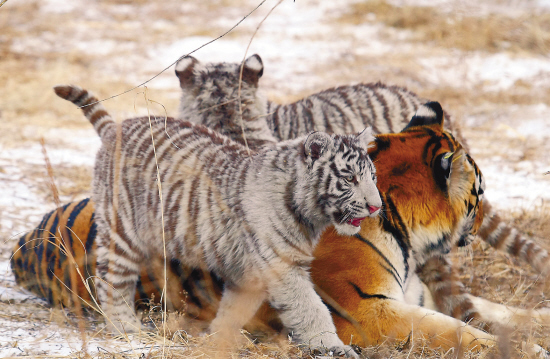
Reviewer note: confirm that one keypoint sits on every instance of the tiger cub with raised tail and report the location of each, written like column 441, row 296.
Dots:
column 252, row 220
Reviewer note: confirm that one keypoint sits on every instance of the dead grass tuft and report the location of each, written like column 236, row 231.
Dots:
column 495, row 32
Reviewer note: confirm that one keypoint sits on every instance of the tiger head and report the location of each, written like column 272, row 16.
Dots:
column 343, row 179
column 431, row 188
column 211, row 93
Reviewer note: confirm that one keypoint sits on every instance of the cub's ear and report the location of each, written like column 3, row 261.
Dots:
column 365, row 139
column 253, row 69
column 443, row 166
column 184, row 70
column 317, row 143
column 428, row 114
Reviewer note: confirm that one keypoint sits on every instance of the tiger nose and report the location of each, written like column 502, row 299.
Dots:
column 372, row 209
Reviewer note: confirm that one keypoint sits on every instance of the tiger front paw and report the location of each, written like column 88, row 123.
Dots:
column 340, row 351
column 345, row 351
column 535, row 350
column 122, row 326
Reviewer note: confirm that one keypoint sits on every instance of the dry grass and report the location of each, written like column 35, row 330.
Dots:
column 495, row 32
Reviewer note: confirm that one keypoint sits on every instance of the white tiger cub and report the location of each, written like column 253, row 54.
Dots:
column 253, row 220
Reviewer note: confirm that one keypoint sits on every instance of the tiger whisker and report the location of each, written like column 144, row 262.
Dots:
column 381, row 214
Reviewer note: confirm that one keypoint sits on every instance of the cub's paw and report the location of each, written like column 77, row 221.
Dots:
column 117, row 326
column 346, row 351
column 340, row 351
column 535, row 350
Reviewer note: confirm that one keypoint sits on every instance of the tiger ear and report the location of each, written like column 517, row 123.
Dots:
column 253, row 69
column 184, row 70
column 428, row 114
column 443, row 166
column 316, row 144
column 365, row 139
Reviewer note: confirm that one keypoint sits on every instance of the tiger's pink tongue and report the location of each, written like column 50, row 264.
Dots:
column 356, row 222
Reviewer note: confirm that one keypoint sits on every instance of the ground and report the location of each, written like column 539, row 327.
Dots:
column 486, row 62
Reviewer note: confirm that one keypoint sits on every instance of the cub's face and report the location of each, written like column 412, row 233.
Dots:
column 211, row 93
column 345, row 179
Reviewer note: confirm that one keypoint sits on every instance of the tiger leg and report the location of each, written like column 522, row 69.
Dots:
column 304, row 314
column 495, row 313
column 118, row 271
column 237, row 306
column 382, row 319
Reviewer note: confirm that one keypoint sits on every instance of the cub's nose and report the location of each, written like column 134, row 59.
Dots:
column 372, row 209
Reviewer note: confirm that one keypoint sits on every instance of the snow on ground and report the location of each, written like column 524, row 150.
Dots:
column 301, row 45
column 494, row 72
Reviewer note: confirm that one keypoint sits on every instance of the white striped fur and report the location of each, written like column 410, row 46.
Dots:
column 345, row 109
column 254, row 221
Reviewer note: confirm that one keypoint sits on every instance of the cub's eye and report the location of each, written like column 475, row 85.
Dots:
column 349, row 178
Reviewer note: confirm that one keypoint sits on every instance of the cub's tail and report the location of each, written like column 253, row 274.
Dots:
column 90, row 105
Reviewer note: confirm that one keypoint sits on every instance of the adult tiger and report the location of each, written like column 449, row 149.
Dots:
column 371, row 275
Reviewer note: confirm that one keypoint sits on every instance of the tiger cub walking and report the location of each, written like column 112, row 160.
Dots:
column 254, row 221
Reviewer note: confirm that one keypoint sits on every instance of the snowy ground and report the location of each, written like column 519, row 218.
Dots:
column 500, row 99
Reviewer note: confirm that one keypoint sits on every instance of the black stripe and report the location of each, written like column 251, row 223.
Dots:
column 394, row 275
column 82, row 96
column 394, row 271
column 76, row 211
column 435, row 141
column 69, row 241
column 89, row 267
column 364, row 295
column 399, row 234
column 142, row 294
column 92, row 234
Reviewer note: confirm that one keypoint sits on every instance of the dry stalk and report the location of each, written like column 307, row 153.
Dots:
column 163, row 298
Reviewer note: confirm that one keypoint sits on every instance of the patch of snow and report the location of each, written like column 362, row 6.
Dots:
column 33, row 155
column 492, row 72
column 59, row 6
column 509, row 189
column 37, row 338
column 537, row 127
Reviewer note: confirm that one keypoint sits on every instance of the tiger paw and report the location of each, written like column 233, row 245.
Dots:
column 346, row 351
column 120, row 326
column 535, row 351
column 343, row 351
